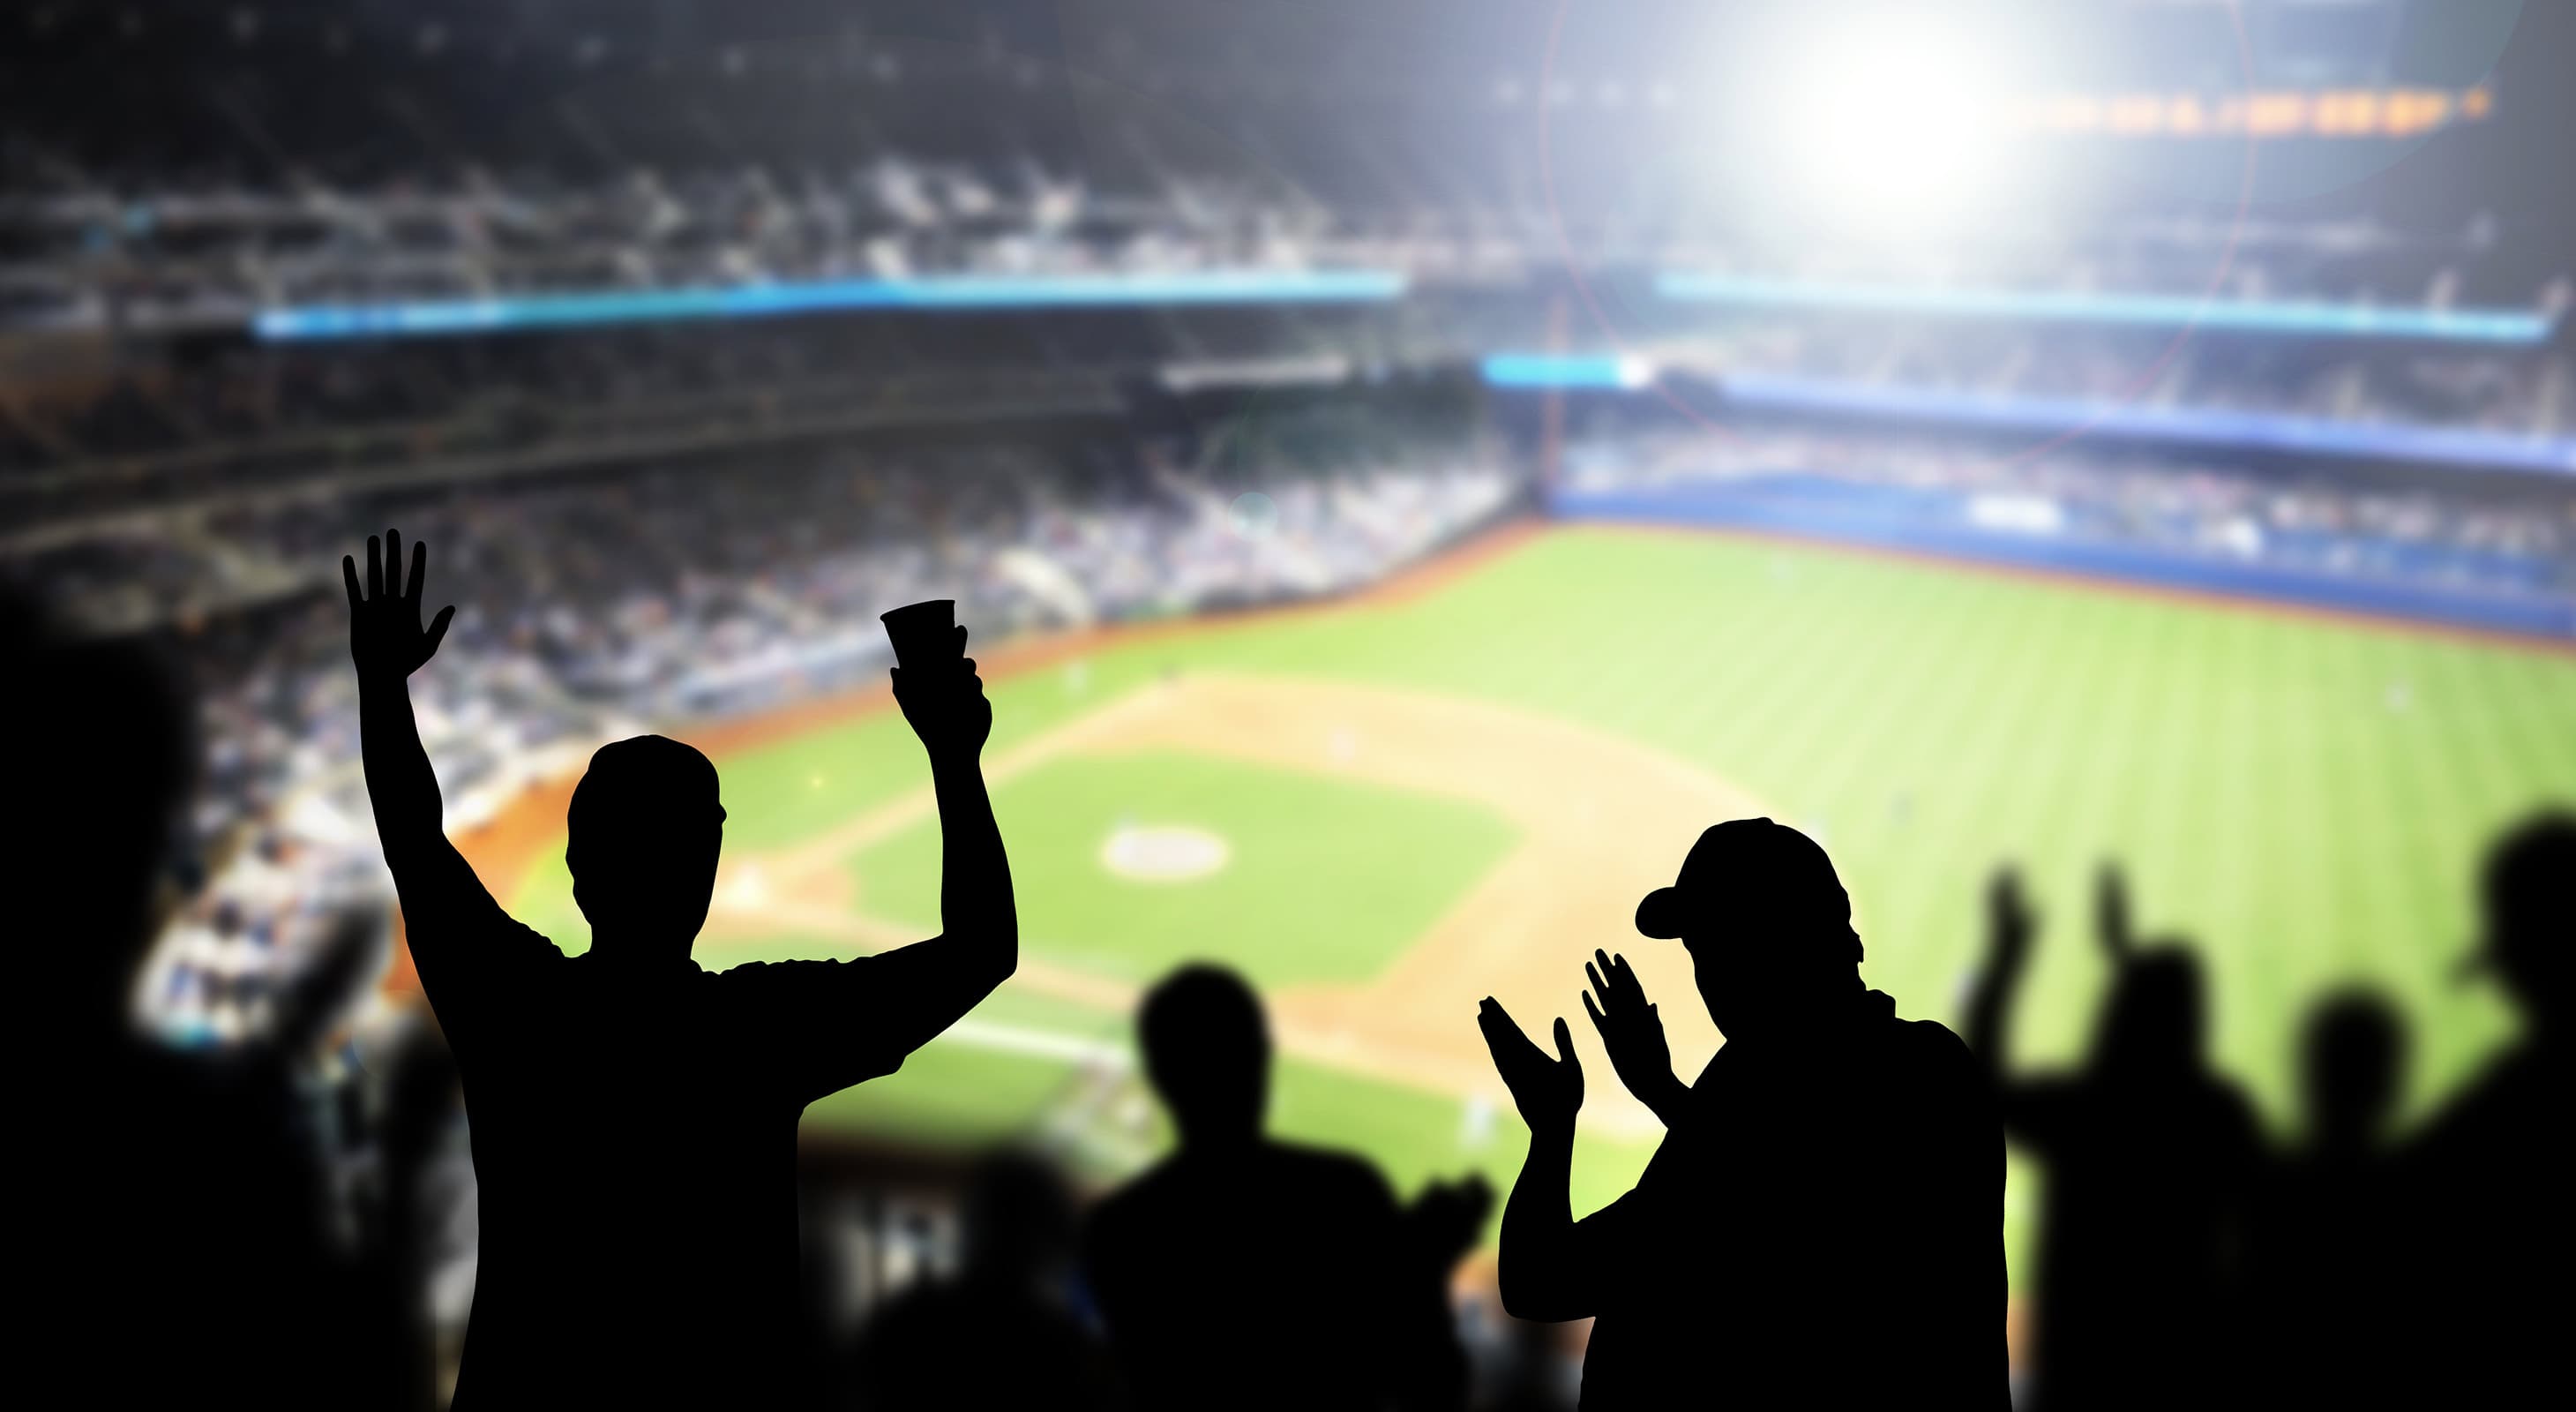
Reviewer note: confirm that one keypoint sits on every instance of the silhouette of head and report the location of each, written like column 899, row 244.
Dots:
column 2528, row 894
column 1767, row 923
column 1207, row 1050
column 2156, row 1016
column 2352, row 1053
column 106, row 737
column 645, row 829
column 1019, row 1219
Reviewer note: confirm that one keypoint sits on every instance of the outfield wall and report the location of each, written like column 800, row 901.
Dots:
column 1941, row 522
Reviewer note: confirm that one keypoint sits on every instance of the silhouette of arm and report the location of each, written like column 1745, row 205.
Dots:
column 2032, row 1110
column 440, row 894
column 937, row 981
column 840, row 1023
column 2010, row 925
column 1542, row 1270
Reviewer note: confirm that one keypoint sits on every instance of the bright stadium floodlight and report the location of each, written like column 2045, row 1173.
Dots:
column 1897, row 122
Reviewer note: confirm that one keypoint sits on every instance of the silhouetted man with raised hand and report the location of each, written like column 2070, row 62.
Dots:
column 1242, row 1272
column 1822, row 1225
column 2151, row 1159
column 634, row 1117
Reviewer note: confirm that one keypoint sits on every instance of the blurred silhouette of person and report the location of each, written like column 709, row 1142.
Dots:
column 2325, row 1315
column 634, row 1117
column 2149, row 1156
column 178, row 1245
column 1005, row 1332
column 1822, row 1223
column 2489, row 1176
column 1240, row 1271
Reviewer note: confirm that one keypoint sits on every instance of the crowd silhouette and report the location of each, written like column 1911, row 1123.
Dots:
column 1820, row 1224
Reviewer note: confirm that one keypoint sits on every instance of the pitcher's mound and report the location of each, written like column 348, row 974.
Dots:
column 1163, row 853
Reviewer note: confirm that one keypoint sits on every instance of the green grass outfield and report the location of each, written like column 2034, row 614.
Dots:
column 2305, row 797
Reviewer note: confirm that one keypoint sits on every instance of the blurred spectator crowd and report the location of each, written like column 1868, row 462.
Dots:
column 2411, row 529
column 682, row 591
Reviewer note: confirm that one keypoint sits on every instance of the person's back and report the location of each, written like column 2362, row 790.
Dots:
column 1242, row 1272
column 2325, row 1321
column 634, row 1130
column 634, row 1117
column 2486, row 1181
column 1868, row 1218
column 177, row 1223
column 1246, row 1277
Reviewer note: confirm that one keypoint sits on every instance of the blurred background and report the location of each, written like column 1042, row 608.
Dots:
column 1406, row 465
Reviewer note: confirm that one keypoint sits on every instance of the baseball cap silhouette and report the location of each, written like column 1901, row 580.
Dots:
column 1750, row 873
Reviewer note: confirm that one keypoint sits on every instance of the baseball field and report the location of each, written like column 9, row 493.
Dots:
column 1385, row 809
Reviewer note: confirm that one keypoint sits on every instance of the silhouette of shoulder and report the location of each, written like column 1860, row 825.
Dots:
column 1317, row 1176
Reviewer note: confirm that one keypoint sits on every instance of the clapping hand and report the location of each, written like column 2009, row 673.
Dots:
column 385, row 636
column 946, row 705
column 1632, row 1030
column 1548, row 1092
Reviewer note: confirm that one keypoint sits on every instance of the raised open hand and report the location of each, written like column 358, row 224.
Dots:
column 2111, row 912
column 946, row 705
column 385, row 636
column 1633, row 1031
column 1549, row 1092
column 2010, row 922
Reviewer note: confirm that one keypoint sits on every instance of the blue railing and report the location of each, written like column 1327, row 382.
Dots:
column 2197, row 426
column 422, row 317
column 2260, row 431
column 2140, row 310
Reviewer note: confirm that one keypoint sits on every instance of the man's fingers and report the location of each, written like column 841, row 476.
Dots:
column 375, row 567
column 349, row 575
column 438, row 627
column 393, row 559
column 1598, row 1022
column 419, row 570
column 1564, row 1042
column 1598, row 984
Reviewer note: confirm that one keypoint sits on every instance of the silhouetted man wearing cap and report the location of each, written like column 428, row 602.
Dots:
column 634, row 1117
column 1823, row 1223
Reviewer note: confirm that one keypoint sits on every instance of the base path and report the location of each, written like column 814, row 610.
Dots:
column 1601, row 821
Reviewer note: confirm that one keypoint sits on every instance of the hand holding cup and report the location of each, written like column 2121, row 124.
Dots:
column 935, row 681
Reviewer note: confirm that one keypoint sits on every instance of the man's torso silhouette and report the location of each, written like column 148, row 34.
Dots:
column 2144, row 1217
column 634, row 1130
column 1822, row 1225
column 1265, row 1275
